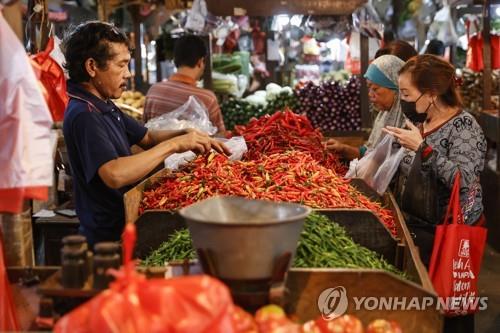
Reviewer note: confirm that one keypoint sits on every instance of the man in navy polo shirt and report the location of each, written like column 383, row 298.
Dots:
column 99, row 136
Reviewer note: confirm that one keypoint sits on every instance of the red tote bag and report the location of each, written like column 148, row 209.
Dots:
column 456, row 259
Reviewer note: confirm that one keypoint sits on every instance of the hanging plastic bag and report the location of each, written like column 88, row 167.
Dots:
column 353, row 62
column 379, row 165
column 474, row 58
column 442, row 27
column 365, row 20
column 57, row 54
column 456, row 258
column 51, row 76
column 25, row 123
column 192, row 114
column 135, row 304
column 221, row 32
column 236, row 145
column 196, row 16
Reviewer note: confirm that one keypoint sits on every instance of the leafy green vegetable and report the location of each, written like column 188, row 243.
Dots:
column 177, row 247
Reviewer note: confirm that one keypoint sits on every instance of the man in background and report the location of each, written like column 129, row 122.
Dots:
column 435, row 47
column 163, row 97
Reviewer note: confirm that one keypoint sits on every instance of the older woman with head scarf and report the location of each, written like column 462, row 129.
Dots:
column 382, row 77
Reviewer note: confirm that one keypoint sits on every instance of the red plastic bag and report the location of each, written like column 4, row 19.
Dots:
column 135, row 304
column 51, row 76
column 474, row 58
column 456, row 258
column 8, row 315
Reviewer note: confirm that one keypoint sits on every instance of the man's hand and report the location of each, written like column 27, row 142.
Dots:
column 198, row 142
column 410, row 138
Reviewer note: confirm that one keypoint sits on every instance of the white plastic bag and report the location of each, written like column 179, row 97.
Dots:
column 236, row 145
column 442, row 27
column 176, row 160
column 366, row 20
column 196, row 16
column 379, row 165
column 192, row 114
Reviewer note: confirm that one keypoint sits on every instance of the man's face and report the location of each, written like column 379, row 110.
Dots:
column 111, row 81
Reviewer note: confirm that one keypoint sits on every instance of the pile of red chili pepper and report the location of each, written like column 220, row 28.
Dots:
column 292, row 176
column 285, row 131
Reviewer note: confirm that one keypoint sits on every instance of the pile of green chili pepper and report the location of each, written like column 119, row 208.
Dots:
column 177, row 247
column 322, row 244
column 325, row 244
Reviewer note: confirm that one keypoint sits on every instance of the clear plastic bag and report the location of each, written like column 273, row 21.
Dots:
column 366, row 21
column 196, row 16
column 442, row 27
column 174, row 161
column 379, row 165
column 192, row 114
column 236, row 145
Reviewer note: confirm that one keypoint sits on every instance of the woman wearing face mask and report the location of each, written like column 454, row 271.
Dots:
column 447, row 140
column 382, row 77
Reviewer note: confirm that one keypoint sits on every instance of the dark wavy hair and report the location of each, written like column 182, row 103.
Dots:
column 188, row 50
column 90, row 40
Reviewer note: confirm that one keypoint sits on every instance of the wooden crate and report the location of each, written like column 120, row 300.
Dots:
column 305, row 286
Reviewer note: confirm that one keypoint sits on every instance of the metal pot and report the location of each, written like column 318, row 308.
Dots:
column 244, row 238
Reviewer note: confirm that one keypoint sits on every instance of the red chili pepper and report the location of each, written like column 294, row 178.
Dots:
column 286, row 131
column 278, row 177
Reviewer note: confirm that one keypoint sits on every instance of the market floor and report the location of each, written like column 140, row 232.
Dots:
column 488, row 321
